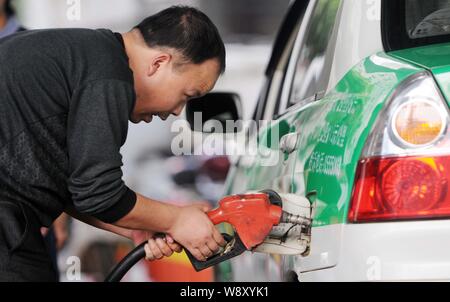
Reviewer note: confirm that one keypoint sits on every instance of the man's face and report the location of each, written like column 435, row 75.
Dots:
column 162, row 89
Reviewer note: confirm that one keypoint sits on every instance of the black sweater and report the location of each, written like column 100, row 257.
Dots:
column 65, row 99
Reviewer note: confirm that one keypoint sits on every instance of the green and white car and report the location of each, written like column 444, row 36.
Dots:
column 358, row 93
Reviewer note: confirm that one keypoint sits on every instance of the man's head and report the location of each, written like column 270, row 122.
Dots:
column 176, row 55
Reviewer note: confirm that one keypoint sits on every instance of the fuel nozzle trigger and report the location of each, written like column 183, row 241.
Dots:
column 234, row 248
column 252, row 216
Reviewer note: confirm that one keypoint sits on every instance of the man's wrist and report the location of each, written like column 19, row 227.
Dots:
column 174, row 212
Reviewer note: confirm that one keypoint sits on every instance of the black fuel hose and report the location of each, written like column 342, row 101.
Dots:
column 127, row 263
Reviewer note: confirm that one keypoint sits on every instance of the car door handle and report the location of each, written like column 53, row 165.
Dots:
column 288, row 143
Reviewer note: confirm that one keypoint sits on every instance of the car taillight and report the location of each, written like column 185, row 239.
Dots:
column 401, row 188
column 405, row 168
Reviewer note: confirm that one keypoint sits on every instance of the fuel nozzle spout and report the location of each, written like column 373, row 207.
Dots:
column 287, row 217
column 295, row 219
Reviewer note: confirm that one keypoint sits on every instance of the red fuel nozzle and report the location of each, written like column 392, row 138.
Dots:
column 252, row 216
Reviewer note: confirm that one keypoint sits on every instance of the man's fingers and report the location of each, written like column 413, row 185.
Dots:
column 164, row 247
column 219, row 238
column 44, row 231
column 158, row 248
column 175, row 247
column 173, row 244
column 155, row 249
column 206, row 251
column 213, row 246
column 169, row 239
column 197, row 254
column 148, row 253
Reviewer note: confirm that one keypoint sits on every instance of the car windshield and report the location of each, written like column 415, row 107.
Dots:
column 427, row 18
column 412, row 23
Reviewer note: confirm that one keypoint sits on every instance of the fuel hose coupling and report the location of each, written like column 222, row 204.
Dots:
column 295, row 219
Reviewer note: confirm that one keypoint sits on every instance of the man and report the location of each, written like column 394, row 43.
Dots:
column 8, row 22
column 67, row 96
column 56, row 236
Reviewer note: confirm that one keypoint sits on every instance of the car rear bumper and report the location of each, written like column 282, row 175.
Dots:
column 397, row 251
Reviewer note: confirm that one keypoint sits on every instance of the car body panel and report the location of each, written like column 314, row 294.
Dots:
column 435, row 58
column 352, row 44
column 394, row 251
column 431, row 57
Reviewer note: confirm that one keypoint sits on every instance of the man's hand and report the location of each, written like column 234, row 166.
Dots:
column 194, row 231
column 158, row 246
column 60, row 228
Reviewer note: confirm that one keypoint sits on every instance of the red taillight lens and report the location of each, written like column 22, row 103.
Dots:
column 404, row 188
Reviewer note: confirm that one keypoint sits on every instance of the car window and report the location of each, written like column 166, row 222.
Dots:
column 310, row 65
column 427, row 18
column 413, row 23
column 280, row 58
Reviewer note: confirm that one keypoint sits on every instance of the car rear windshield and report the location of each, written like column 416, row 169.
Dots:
column 413, row 23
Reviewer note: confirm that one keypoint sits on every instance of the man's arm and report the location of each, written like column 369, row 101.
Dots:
column 189, row 226
column 97, row 125
column 127, row 233
column 156, row 248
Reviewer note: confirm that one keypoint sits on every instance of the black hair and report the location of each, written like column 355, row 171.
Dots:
column 8, row 8
column 187, row 30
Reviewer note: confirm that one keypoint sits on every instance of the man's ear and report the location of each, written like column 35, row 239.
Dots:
column 162, row 59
